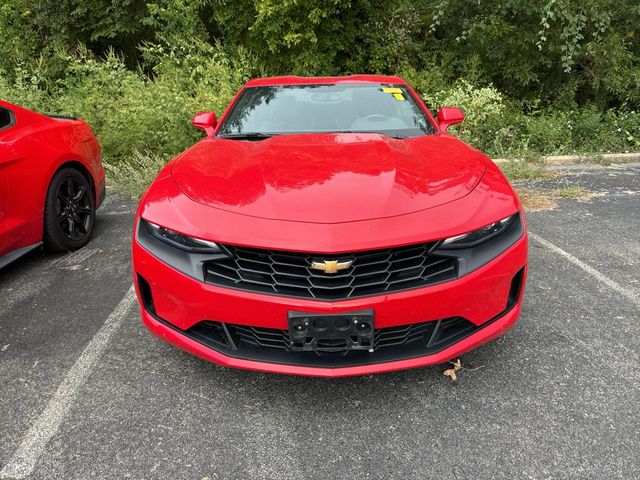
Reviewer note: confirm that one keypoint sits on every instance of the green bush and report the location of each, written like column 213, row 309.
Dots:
column 129, row 110
column 479, row 104
column 499, row 126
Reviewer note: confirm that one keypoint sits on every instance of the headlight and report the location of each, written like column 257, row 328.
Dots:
column 479, row 236
column 178, row 240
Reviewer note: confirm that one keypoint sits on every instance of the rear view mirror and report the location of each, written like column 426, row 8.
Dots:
column 206, row 121
column 448, row 116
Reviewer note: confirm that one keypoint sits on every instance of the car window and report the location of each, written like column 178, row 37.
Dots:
column 344, row 107
column 6, row 118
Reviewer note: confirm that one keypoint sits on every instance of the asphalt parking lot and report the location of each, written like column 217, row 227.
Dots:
column 86, row 392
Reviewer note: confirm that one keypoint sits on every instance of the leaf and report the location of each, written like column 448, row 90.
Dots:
column 450, row 372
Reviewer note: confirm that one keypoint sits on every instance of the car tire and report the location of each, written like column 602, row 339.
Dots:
column 69, row 211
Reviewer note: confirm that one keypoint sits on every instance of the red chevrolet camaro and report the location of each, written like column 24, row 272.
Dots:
column 51, row 182
column 329, row 226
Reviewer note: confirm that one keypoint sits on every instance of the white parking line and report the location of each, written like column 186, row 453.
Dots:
column 24, row 459
column 633, row 296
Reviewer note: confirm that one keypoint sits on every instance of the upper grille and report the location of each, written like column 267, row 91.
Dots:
column 290, row 273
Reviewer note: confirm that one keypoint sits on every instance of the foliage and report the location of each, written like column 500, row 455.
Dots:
column 128, row 110
column 534, row 78
column 497, row 125
column 573, row 51
column 17, row 43
column 132, row 177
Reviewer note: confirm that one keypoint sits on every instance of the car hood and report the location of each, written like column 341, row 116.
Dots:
column 328, row 178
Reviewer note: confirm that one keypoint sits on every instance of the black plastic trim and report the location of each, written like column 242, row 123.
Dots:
column 145, row 294
column 9, row 257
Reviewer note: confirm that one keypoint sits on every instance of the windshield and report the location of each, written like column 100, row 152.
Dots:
column 365, row 107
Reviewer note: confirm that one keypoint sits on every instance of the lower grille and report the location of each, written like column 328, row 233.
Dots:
column 369, row 273
column 272, row 345
column 383, row 337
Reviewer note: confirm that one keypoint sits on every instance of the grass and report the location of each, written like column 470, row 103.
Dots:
column 132, row 178
column 522, row 170
column 600, row 160
column 571, row 192
column 576, row 193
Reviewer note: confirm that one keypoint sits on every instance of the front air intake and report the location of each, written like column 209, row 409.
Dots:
column 364, row 273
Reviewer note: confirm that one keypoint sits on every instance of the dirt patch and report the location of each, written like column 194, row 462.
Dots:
column 536, row 200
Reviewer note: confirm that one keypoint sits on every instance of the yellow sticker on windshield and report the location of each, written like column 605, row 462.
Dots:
column 395, row 91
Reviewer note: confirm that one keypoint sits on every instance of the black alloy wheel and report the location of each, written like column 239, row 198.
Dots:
column 69, row 211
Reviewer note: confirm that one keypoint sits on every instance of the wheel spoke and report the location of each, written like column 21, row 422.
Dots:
column 62, row 216
column 62, row 198
column 70, row 192
column 79, row 223
column 85, row 210
column 71, row 225
column 79, row 194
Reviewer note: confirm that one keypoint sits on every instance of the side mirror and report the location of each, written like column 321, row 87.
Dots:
column 448, row 116
column 206, row 121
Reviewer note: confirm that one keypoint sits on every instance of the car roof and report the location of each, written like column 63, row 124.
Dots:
column 295, row 80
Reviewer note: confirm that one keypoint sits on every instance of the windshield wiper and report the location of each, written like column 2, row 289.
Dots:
column 247, row 136
column 397, row 137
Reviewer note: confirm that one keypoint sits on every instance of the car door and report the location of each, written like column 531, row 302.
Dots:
column 7, row 121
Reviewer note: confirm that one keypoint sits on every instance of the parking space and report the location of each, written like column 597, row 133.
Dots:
column 86, row 392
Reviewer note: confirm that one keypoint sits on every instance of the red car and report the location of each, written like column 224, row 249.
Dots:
column 330, row 227
column 51, row 182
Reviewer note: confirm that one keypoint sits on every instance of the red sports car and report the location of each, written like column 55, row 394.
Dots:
column 329, row 226
column 51, row 182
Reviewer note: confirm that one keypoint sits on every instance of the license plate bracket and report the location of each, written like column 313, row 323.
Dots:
column 336, row 332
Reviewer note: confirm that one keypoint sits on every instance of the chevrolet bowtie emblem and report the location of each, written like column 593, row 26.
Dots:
column 331, row 266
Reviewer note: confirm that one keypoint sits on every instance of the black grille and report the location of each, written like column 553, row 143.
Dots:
column 272, row 345
column 383, row 337
column 447, row 330
column 290, row 273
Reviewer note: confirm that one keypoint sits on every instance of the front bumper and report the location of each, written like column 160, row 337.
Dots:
column 482, row 297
